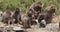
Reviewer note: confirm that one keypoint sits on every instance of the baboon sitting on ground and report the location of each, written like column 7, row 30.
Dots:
column 50, row 12
column 36, row 8
column 6, row 17
column 31, row 16
column 34, row 11
column 17, row 16
column 25, row 21
column 47, row 15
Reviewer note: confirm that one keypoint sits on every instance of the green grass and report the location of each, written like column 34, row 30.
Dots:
column 11, row 4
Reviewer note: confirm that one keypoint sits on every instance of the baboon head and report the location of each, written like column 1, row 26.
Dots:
column 6, row 17
column 51, row 9
column 7, row 14
column 17, row 11
column 38, row 7
column 30, row 13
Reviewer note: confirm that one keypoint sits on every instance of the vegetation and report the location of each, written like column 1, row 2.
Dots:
column 11, row 4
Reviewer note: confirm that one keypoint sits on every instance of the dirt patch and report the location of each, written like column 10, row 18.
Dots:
column 56, row 19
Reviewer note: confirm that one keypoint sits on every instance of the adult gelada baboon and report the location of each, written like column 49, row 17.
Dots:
column 47, row 14
column 50, row 12
column 37, row 8
column 17, row 16
column 6, row 17
column 33, row 11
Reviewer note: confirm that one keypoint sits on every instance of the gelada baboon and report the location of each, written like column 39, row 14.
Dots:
column 36, row 8
column 6, row 17
column 25, row 21
column 17, row 16
column 47, row 14
column 31, row 16
column 33, row 11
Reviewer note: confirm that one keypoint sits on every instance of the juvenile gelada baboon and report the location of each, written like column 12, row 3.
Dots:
column 17, row 16
column 6, row 17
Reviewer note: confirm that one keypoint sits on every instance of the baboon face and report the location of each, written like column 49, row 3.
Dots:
column 50, row 9
column 17, row 11
column 38, row 7
column 7, row 14
column 30, row 13
column 36, row 15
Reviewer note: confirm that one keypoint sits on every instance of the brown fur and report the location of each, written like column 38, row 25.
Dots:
column 17, row 16
column 36, row 8
column 6, row 17
column 47, row 14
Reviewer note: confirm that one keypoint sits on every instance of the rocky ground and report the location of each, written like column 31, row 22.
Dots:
column 52, row 27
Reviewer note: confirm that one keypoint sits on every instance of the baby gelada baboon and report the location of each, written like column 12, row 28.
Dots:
column 6, row 17
column 17, row 16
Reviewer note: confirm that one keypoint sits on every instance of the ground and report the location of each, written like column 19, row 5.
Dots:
column 52, row 27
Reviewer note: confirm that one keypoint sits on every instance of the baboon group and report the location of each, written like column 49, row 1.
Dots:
column 35, row 11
